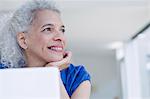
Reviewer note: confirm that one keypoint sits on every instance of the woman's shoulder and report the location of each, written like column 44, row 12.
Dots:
column 73, row 76
column 75, row 71
column 74, row 68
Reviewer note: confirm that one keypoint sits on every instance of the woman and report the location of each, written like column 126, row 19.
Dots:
column 34, row 37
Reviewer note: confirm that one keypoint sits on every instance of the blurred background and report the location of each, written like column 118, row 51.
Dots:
column 111, row 38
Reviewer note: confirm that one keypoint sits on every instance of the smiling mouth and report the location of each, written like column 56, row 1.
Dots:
column 56, row 48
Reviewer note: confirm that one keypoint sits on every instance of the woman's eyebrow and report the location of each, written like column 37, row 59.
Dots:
column 63, row 26
column 51, row 25
column 47, row 25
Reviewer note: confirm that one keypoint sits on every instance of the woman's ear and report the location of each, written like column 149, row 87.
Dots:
column 21, row 38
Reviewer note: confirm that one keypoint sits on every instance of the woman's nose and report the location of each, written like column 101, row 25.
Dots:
column 59, row 36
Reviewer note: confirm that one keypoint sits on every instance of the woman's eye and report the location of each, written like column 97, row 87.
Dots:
column 47, row 29
column 63, row 30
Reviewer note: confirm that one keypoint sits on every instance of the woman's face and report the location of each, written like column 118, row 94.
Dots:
column 45, row 39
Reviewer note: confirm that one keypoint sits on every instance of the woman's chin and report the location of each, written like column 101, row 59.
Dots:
column 55, row 59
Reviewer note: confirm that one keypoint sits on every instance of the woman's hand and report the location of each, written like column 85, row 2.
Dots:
column 62, row 63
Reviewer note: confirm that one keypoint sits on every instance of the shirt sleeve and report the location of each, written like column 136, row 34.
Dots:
column 75, row 75
column 80, row 75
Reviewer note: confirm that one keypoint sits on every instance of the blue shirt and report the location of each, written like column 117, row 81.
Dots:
column 72, row 77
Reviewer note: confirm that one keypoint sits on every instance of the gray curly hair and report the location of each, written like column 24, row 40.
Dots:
column 11, row 54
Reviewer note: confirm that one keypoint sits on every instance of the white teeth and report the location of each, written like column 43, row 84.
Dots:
column 56, row 48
